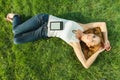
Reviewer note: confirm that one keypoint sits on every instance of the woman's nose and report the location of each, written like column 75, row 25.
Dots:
column 89, row 37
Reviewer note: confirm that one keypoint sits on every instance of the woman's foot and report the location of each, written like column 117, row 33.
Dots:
column 9, row 17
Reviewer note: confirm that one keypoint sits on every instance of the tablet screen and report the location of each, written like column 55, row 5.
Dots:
column 56, row 25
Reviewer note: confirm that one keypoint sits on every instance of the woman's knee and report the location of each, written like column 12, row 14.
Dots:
column 17, row 41
column 39, row 17
column 15, row 31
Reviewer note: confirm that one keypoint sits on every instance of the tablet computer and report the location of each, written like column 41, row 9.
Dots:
column 56, row 25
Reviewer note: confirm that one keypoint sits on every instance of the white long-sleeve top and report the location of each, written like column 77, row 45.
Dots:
column 66, row 34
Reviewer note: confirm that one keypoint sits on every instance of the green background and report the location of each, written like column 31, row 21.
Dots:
column 53, row 59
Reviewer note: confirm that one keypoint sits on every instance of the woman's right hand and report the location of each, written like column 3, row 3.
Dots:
column 107, row 45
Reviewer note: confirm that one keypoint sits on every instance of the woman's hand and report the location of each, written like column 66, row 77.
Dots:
column 107, row 45
column 78, row 33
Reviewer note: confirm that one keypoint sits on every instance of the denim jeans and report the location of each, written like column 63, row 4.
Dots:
column 31, row 30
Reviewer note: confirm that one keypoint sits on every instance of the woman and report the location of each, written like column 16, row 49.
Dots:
column 39, row 27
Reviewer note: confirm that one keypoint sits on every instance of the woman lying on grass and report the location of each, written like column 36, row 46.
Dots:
column 39, row 27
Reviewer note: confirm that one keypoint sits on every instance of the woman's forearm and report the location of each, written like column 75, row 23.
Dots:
column 92, row 58
column 104, row 31
column 105, row 35
column 86, row 63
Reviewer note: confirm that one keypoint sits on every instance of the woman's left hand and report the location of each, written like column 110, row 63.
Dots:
column 107, row 45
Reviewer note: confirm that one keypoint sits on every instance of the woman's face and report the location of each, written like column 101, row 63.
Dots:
column 90, row 39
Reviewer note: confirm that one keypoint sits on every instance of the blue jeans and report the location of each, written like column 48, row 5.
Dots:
column 31, row 30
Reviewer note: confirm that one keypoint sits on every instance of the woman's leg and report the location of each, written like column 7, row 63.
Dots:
column 31, row 33
column 29, row 25
column 39, row 33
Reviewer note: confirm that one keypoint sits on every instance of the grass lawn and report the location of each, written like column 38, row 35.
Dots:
column 53, row 59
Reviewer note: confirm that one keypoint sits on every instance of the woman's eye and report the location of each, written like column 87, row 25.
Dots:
column 94, row 36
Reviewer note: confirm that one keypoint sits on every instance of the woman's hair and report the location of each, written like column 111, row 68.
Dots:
column 88, row 51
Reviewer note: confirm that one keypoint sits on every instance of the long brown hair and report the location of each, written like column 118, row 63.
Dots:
column 88, row 51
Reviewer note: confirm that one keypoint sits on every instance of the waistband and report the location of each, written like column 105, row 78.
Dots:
column 46, row 17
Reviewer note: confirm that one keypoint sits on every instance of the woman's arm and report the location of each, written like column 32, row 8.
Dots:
column 103, row 28
column 80, row 55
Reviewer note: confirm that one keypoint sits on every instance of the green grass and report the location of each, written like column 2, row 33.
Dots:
column 53, row 59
